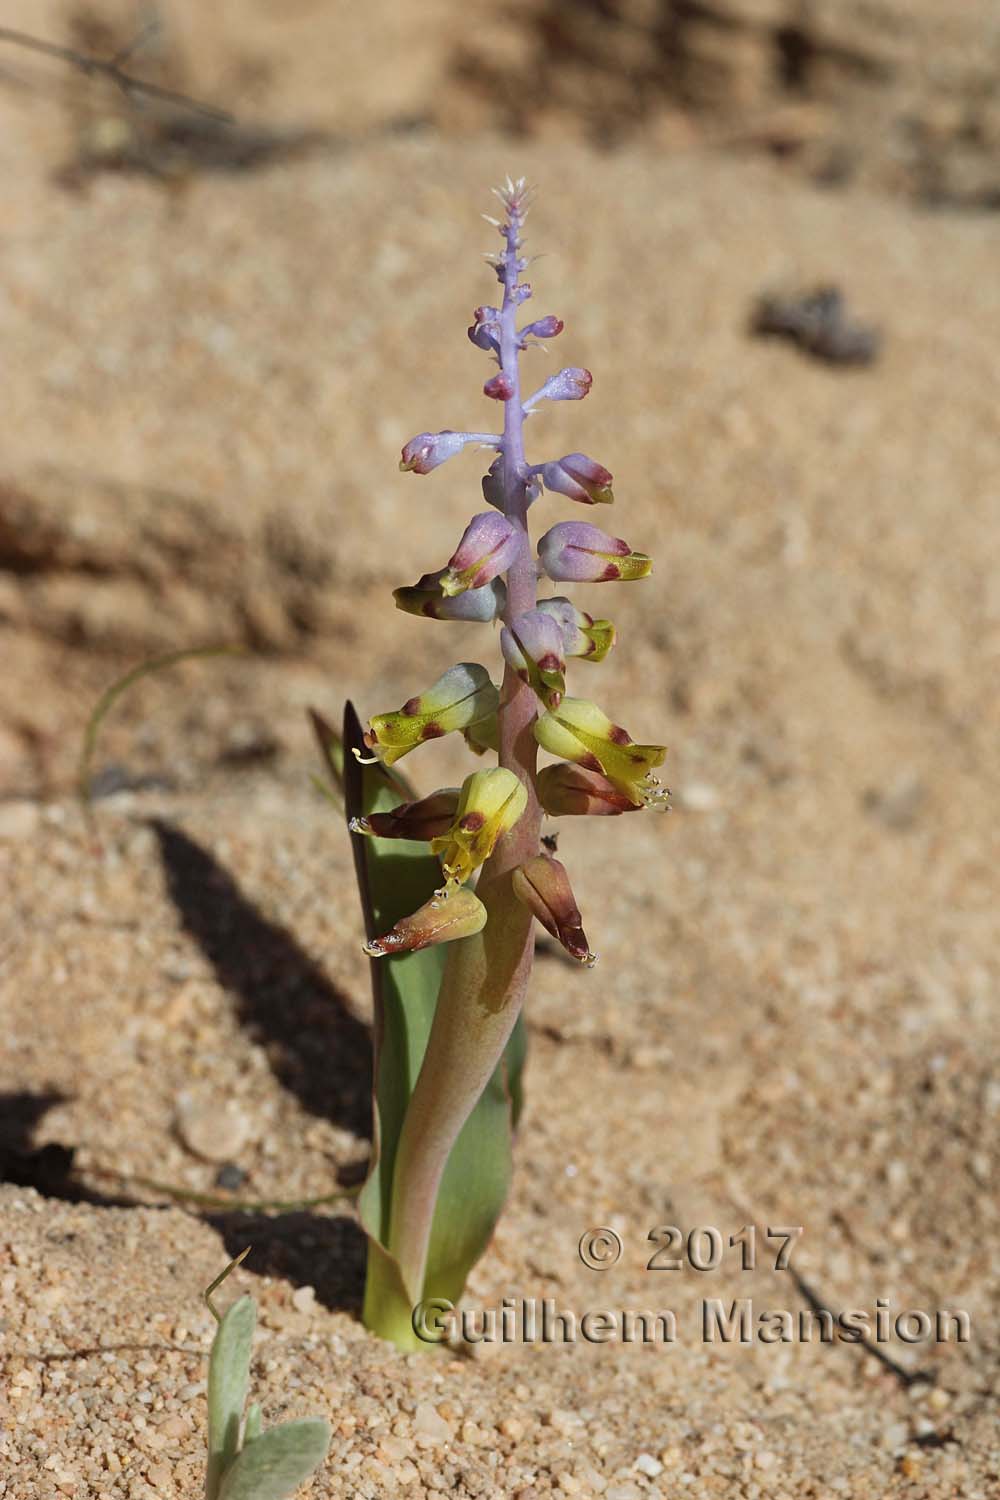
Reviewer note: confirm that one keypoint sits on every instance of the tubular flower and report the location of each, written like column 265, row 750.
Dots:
column 459, row 698
column 580, row 478
column 532, row 644
column 568, row 791
column 542, row 885
column 424, row 819
column 489, row 805
column 426, row 597
column 490, row 543
column 582, row 635
column 576, row 552
column 580, row 732
column 442, row 919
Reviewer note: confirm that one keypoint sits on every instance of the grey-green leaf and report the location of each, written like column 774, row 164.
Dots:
column 278, row 1461
column 228, row 1380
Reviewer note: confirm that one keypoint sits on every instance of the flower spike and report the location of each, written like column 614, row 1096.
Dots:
column 460, row 698
column 489, row 805
column 442, row 919
column 578, row 731
column 426, row 597
column 576, row 552
column 542, row 885
column 490, row 543
column 580, row 478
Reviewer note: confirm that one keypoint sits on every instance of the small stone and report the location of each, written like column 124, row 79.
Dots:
column 512, row 1428
column 159, row 1475
column 173, row 1427
column 647, row 1464
column 213, row 1129
column 895, row 1435
column 304, row 1299
column 19, row 819
column 428, row 1426
column 569, row 1484
column 764, row 1459
column 909, row 1466
column 471, row 1433
column 229, row 1177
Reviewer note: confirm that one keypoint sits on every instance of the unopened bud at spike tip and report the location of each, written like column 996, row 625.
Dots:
column 576, row 552
column 542, row 885
column 570, row 384
column 498, row 388
column 543, row 328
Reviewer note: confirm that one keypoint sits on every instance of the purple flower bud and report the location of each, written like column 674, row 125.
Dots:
column 498, row 388
column 493, row 485
column 532, row 645
column 543, row 328
column 485, row 329
column 490, row 543
column 570, row 384
column 575, row 552
column 582, row 635
column 428, row 449
column 493, row 492
column 580, row 478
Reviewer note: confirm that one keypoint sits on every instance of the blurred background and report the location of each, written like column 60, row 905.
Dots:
column 218, row 332
column 228, row 296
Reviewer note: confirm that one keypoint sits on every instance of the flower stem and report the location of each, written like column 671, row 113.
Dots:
column 486, row 976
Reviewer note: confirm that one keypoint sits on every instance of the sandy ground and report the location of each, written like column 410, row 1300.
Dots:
column 793, row 1019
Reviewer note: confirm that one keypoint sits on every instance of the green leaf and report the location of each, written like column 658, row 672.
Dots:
column 278, row 1461
column 395, row 876
column 228, row 1381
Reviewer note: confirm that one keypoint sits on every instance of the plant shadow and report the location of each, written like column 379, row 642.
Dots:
column 318, row 1049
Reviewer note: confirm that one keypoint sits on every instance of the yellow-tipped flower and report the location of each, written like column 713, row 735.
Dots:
column 489, row 805
column 442, row 919
column 580, row 732
column 459, row 699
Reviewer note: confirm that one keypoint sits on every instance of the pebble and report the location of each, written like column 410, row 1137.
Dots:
column 428, row 1426
column 213, row 1129
column 512, row 1428
column 19, row 819
column 647, row 1464
column 304, row 1299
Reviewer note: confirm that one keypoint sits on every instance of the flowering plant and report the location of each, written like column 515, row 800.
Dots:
column 449, row 1047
